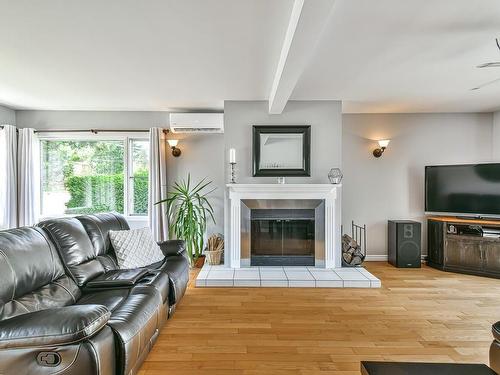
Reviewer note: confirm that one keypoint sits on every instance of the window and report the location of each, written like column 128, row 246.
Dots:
column 81, row 176
column 138, row 177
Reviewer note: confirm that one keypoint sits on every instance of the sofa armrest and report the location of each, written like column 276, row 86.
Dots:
column 117, row 278
column 51, row 327
column 173, row 247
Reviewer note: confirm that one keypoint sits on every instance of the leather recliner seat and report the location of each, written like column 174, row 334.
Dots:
column 175, row 265
column 108, row 318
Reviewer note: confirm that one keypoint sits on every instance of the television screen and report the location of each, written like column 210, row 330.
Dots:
column 468, row 189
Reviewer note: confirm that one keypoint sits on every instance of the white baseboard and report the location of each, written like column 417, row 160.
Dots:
column 376, row 258
column 383, row 258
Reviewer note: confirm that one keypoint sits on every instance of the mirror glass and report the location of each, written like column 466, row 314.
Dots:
column 281, row 151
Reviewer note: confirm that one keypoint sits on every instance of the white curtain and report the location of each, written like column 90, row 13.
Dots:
column 28, row 178
column 158, row 221
column 8, row 177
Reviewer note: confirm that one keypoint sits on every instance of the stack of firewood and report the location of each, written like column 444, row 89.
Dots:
column 215, row 243
column 352, row 253
column 215, row 247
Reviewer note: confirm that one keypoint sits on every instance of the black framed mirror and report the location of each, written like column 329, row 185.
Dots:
column 281, row 151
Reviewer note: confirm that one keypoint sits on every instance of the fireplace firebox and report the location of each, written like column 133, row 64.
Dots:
column 282, row 237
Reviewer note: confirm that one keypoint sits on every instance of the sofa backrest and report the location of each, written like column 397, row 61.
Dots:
column 97, row 227
column 32, row 275
column 74, row 247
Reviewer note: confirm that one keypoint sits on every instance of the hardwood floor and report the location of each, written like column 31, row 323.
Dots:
column 417, row 315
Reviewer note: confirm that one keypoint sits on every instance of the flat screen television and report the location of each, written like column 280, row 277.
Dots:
column 471, row 189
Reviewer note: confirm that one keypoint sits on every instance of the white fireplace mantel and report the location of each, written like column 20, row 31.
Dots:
column 330, row 194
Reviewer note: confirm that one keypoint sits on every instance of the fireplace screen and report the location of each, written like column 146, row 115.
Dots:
column 282, row 237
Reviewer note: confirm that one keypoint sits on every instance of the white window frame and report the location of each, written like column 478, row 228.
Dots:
column 124, row 137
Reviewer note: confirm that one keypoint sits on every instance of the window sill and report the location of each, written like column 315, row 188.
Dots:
column 134, row 218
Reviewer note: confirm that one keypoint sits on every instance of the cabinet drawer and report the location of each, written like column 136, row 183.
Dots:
column 463, row 253
column 491, row 256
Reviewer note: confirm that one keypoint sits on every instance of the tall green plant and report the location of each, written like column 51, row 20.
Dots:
column 188, row 211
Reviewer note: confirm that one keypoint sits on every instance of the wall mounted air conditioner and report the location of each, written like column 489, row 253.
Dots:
column 197, row 122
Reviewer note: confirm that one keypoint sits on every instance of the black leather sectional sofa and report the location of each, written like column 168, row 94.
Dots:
column 66, row 308
column 495, row 348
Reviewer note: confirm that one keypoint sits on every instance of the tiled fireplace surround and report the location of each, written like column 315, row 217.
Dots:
column 327, row 272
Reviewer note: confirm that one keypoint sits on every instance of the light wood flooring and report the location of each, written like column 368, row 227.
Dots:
column 417, row 315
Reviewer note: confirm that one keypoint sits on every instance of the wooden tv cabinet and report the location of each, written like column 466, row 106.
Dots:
column 464, row 245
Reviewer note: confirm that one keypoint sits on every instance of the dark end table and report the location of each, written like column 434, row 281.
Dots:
column 416, row 368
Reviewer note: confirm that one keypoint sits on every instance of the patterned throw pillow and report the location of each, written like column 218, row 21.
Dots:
column 135, row 248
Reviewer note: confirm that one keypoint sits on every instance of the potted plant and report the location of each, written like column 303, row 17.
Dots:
column 188, row 211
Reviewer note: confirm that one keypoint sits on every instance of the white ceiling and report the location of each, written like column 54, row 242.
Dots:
column 376, row 56
column 138, row 55
column 407, row 56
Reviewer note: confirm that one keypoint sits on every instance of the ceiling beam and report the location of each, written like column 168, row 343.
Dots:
column 307, row 22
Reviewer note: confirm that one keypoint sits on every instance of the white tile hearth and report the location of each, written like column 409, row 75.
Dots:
column 286, row 277
column 246, row 277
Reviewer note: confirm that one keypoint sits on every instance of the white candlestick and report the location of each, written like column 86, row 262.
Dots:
column 232, row 155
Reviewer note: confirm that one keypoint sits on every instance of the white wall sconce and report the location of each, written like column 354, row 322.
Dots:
column 383, row 143
column 173, row 145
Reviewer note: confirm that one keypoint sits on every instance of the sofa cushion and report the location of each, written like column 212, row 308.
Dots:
column 135, row 323
column 158, row 280
column 27, row 262
column 59, row 326
column 60, row 292
column 31, row 273
column 135, row 248
column 98, row 226
column 177, row 269
column 111, row 298
column 135, row 319
column 74, row 247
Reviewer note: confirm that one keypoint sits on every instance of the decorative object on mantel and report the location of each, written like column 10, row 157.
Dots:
column 383, row 143
column 232, row 163
column 335, row 176
column 176, row 152
column 281, row 151
column 189, row 210
column 354, row 246
column 215, row 247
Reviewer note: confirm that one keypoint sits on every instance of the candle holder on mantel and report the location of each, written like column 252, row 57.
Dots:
column 233, row 172
column 232, row 163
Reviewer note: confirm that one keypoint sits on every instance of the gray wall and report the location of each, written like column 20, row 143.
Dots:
column 202, row 156
column 43, row 120
column 7, row 116
column 325, row 118
column 392, row 187
column 374, row 191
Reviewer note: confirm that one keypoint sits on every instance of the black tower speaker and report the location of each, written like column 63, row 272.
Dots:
column 405, row 243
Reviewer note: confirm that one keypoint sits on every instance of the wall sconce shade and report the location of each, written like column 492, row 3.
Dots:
column 172, row 142
column 383, row 143
column 173, row 145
